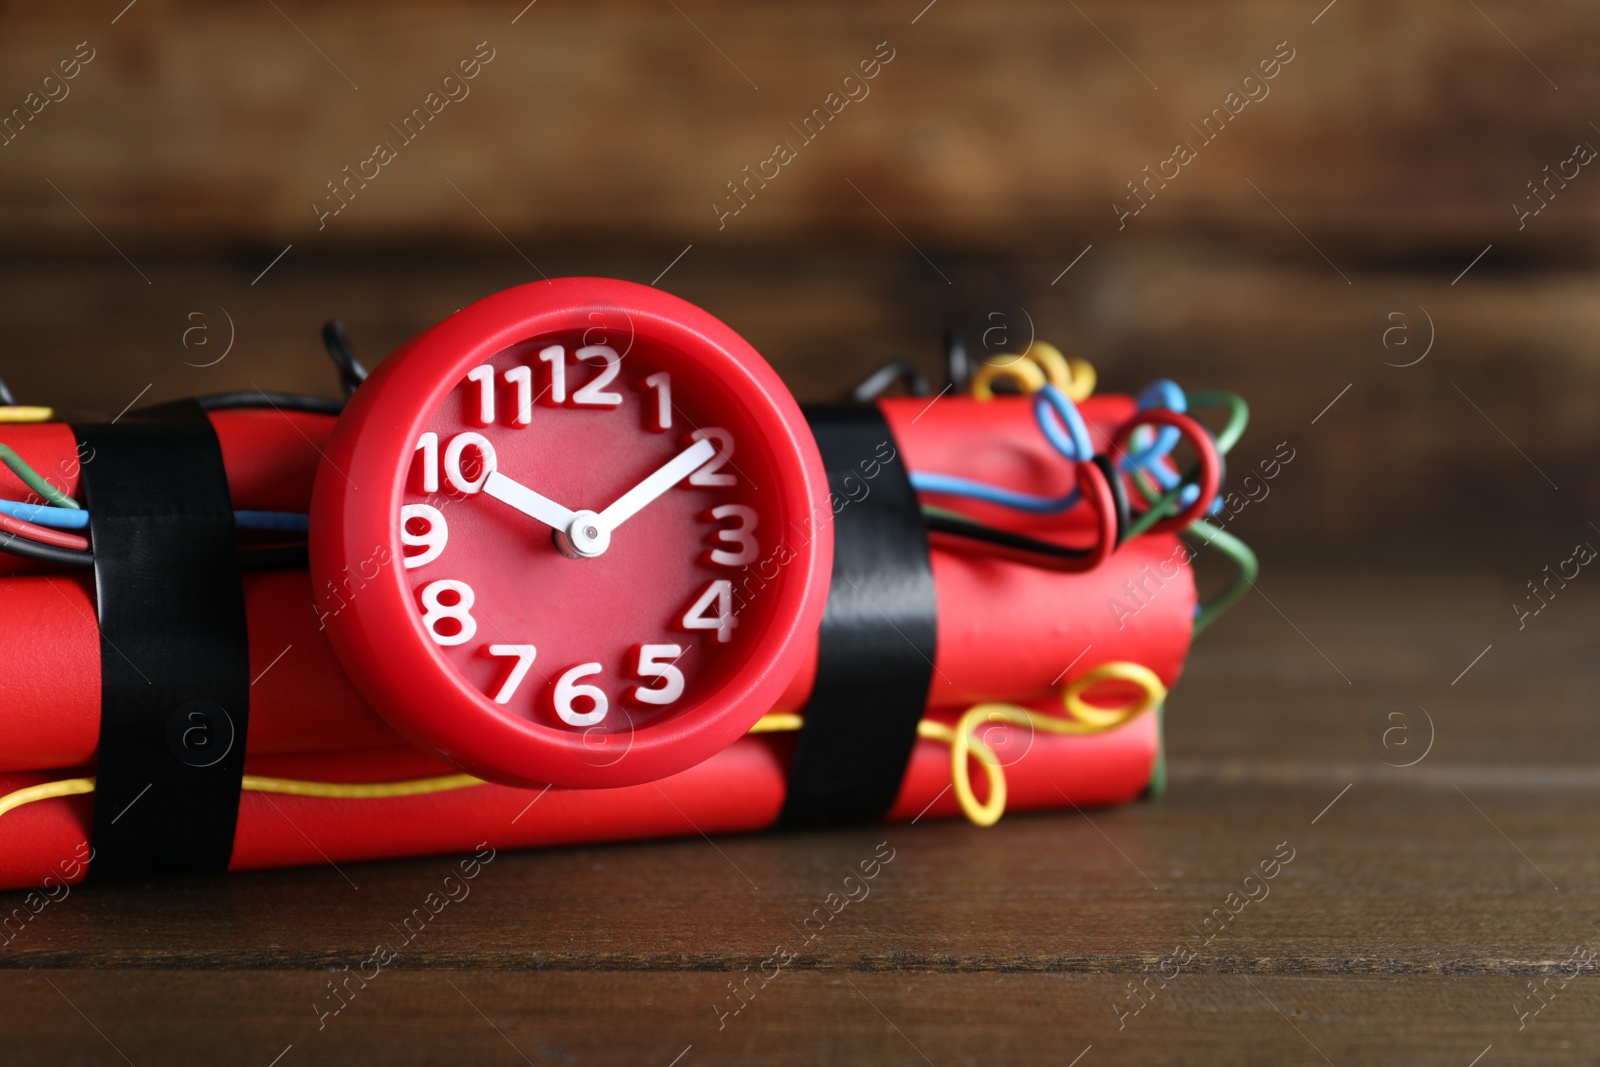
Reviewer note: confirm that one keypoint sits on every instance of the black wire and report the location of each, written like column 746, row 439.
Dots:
column 976, row 531
column 957, row 364
column 895, row 370
column 274, row 558
column 337, row 341
column 30, row 549
column 271, row 558
column 5, row 394
column 255, row 398
column 1119, row 495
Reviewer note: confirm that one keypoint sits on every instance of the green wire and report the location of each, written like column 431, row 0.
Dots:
column 1200, row 531
column 1238, row 415
column 1156, row 511
column 1203, row 532
column 1242, row 557
column 20, row 467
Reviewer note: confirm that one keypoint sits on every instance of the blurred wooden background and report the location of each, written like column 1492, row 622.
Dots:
column 170, row 186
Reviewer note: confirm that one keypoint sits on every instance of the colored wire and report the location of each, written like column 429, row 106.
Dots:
column 45, row 791
column 42, row 534
column 1092, row 482
column 1062, row 425
column 282, row 521
column 957, row 364
column 1238, row 415
column 275, row 558
column 1243, row 558
column 964, row 740
column 1119, row 496
column 20, row 468
column 1236, row 550
column 896, row 370
column 1052, row 555
column 45, row 515
column 1210, row 463
column 256, row 398
column 1022, row 373
column 10, row 413
column 359, row 790
column 63, row 519
column 255, row 783
column 343, row 354
column 46, row 553
column 1058, row 416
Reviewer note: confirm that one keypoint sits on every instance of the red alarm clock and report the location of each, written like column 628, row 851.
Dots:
column 577, row 533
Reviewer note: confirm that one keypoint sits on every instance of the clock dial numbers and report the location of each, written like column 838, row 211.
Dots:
column 521, row 377
column 659, row 661
column 482, row 412
column 741, row 535
column 658, row 411
column 524, row 655
column 569, row 689
column 423, row 526
column 712, row 475
column 468, row 478
column 480, row 429
column 428, row 445
column 717, row 598
column 556, row 357
column 595, row 394
column 450, row 623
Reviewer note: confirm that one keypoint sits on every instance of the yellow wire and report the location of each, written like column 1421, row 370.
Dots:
column 256, row 783
column 1041, row 364
column 25, row 413
column 44, row 791
column 777, row 722
column 359, row 790
column 1081, row 718
column 1025, row 375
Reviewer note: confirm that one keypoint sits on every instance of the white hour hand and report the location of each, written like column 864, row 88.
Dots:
column 668, row 475
column 525, row 500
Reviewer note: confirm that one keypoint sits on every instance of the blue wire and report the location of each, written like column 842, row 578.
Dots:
column 68, row 519
column 1074, row 443
column 929, row 482
column 45, row 515
column 281, row 521
column 1063, row 426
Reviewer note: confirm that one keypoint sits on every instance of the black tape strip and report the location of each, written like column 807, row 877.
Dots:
column 878, row 636
column 174, row 655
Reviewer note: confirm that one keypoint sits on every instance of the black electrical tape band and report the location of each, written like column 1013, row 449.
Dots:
column 174, row 655
column 877, row 640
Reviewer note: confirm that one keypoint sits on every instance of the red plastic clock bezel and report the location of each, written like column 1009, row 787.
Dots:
column 357, row 497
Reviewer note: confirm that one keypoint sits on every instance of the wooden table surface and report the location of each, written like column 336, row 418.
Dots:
column 1417, row 908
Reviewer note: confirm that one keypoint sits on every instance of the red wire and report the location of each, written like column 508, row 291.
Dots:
column 42, row 534
column 1097, row 491
column 1205, row 449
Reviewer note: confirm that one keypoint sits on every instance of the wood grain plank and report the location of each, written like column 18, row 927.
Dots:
column 1391, row 130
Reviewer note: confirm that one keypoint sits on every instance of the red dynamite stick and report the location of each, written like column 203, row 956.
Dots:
column 1006, row 631
column 738, row 790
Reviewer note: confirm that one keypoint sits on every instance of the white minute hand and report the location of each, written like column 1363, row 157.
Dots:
column 525, row 500
column 668, row 475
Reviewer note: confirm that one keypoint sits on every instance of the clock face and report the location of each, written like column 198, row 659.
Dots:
column 604, row 536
